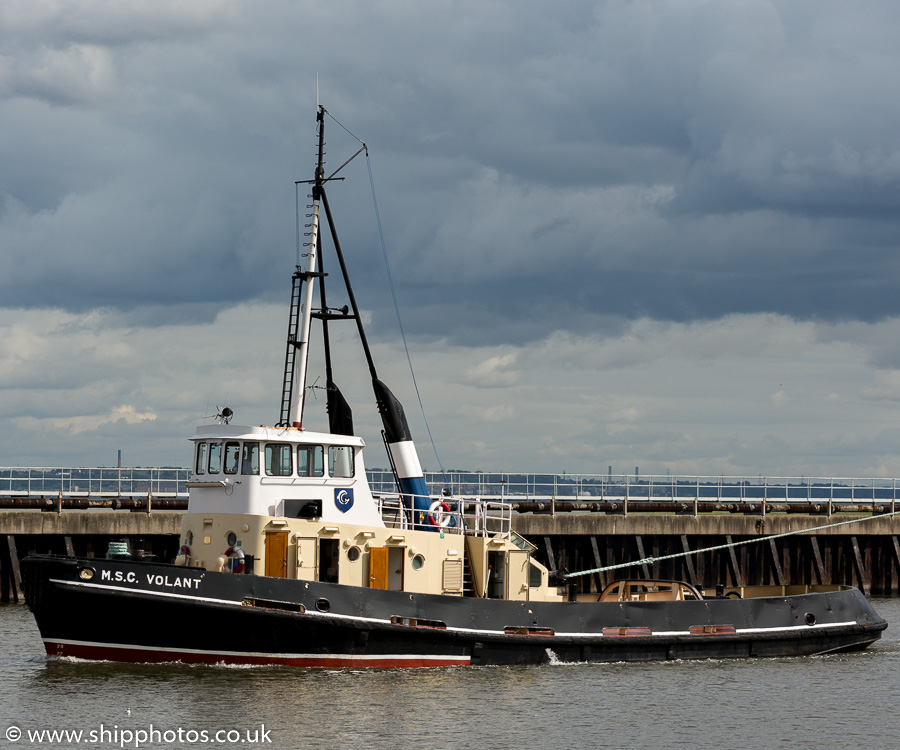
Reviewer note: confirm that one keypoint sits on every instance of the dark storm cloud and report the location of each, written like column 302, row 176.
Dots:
column 536, row 170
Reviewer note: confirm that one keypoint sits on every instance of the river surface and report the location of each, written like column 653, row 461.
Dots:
column 831, row 701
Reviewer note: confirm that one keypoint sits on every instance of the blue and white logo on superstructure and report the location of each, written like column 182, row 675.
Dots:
column 343, row 499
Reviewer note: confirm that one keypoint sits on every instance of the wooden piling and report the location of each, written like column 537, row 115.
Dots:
column 817, row 558
column 642, row 555
column 550, row 556
column 689, row 563
column 14, row 567
column 601, row 579
column 735, row 569
column 862, row 574
column 777, row 563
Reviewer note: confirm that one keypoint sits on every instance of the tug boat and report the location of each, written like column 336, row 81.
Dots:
column 287, row 557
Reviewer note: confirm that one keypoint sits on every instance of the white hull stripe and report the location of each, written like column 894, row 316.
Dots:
column 470, row 631
column 260, row 654
column 749, row 631
column 164, row 594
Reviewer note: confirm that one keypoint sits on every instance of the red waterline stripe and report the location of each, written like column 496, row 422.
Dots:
column 125, row 654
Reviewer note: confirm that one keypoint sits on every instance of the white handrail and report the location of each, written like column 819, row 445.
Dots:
column 468, row 516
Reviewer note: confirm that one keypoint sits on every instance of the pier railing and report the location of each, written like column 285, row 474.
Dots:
column 93, row 482
column 618, row 487
column 503, row 487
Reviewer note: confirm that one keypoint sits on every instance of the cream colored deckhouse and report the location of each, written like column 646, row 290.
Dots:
column 288, row 503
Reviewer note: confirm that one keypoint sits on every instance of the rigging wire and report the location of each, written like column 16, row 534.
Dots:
column 651, row 560
column 387, row 266
column 344, row 126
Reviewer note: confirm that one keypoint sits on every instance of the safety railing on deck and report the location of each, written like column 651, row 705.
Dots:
column 452, row 515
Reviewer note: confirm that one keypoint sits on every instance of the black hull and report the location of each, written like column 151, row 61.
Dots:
column 145, row 612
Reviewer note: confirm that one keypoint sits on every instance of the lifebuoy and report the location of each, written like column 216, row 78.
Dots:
column 445, row 516
column 235, row 557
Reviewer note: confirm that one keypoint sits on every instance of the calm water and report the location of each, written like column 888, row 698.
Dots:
column 832, row 701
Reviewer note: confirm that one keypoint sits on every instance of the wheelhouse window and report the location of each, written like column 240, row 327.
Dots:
column 278, row 460
column 215, row 458
column 232, row 455
column 340, row 460
column 250, row 459
column 200, row 464
column 534, row 576
column 310, row 460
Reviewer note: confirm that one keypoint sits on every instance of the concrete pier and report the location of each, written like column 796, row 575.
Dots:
column 865, row 553
column 79, row 532
column 571, row 536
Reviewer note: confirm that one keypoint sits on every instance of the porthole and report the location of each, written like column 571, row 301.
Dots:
column 353, row 554
column 323, row 605
column 810, row 618
column 231, row 539
column 86, row 574
column 417, row 562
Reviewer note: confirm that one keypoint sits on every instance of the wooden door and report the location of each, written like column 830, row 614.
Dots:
column 378, row 567
column 276, row 554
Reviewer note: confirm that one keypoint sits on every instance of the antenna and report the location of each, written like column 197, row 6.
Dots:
column 223, row 415
column 317, row 91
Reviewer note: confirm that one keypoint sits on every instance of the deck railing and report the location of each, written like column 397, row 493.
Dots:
column 461, row 516
column 503, row 487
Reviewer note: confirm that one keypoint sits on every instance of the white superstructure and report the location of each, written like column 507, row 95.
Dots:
column 284, row 472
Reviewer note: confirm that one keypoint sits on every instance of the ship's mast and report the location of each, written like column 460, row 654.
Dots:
column 404, row 459
column 308, row 276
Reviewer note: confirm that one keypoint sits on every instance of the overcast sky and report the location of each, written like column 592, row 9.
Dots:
column 622, row 233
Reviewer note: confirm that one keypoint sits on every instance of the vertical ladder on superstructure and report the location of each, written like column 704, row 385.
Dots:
column 287, row 389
